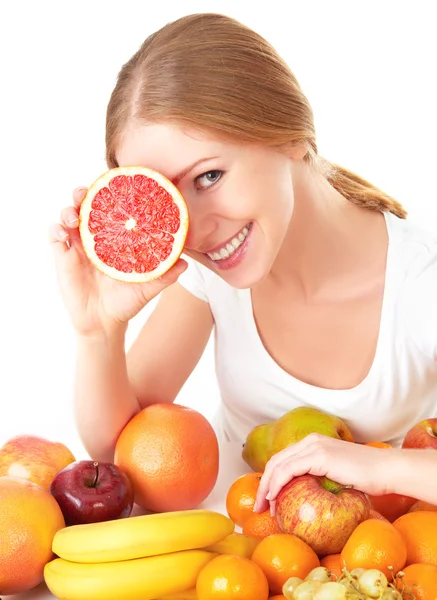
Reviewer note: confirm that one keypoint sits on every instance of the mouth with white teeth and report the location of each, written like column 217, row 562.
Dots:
column 229, row 248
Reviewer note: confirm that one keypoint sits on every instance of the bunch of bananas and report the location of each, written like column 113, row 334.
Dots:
column 138, row 558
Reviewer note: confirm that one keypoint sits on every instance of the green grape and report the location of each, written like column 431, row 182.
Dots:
column 289, row 586
column 391, row 594
column 372, row 583
column 319, row 574
column 305, row 591
column 357, row 572
column 330, row 591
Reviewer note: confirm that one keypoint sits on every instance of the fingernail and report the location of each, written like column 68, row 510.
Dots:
column 80, row 190
column 268, row 496
column 62, row 235
column 73, row 221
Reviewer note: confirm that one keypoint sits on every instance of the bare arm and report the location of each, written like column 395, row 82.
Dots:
column 111, row 389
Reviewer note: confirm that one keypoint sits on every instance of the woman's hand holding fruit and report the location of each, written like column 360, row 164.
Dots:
column 346, row 463
column 96, row 302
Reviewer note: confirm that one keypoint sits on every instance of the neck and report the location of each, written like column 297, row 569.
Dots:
column 331, row 243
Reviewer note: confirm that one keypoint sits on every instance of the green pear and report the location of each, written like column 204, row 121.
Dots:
column 266, row 440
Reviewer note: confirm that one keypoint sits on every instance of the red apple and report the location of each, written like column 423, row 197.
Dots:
column 320, row 512
column 88, row 492
column 34, row 459
column 422, row 435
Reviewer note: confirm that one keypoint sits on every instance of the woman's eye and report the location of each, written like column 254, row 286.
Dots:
column 208, row 179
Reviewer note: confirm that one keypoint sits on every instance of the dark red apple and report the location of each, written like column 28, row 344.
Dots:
column 422, row 435
column 320, row 512
column 89, row 492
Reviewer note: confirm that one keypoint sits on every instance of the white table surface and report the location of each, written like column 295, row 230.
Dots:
column 231, row 466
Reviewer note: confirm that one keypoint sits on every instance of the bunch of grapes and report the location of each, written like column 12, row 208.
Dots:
column 358, row 584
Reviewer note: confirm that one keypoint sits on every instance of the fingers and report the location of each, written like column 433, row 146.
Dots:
column 66, row 232
column 177, row 269
column 78, row 196
column 308, row 462
column 277, row 460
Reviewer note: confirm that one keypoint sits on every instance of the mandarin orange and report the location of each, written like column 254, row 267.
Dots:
column 421, row 579
column 333, row 563
column 241, row 496
column 231, row 577
column 375, row 544
column 260, row 525
column 419, row 532
column 281, row 556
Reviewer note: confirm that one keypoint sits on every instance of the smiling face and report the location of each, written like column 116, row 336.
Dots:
column 239, row 197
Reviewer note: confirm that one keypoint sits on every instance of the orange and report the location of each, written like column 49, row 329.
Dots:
column 333, row 563
column 421, row 505
column 419, row 531
column 281, row 556
column 29, row 519
column 375, row 544
column 229, row 577
column 241, row 496
column 260, row 525
column 422, row 579
column 378, row 444
column 171, row 454
column 133, row 223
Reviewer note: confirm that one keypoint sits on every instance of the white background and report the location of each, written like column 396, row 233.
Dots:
column 368, row 69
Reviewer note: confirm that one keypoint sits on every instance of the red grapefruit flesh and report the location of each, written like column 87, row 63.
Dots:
column 133, row 224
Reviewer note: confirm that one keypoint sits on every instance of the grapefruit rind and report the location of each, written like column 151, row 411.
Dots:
column 88, row 238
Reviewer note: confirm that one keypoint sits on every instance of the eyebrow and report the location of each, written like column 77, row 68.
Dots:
column 187, row 170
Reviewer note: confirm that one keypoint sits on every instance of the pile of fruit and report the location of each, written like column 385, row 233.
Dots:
column 69, row 522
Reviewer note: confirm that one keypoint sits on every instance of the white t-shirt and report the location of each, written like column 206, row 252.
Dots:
column 401, row 387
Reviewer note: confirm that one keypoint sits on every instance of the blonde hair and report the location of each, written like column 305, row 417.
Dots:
column 210, row 72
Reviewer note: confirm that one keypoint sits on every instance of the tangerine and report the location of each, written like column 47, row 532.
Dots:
column 170, row 452
column 260, row 525
column 375, row 544
column 422, row 579
column 229, row 577
column 29, row 519
column 422, row 505
column 241, row 496
column 333, row 563
column 378, row 444
column 281, row 556
column 418, row 530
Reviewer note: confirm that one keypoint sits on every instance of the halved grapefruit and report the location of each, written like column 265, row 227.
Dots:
column 133, row 224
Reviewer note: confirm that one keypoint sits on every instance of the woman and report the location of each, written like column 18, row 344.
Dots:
column 318, row 291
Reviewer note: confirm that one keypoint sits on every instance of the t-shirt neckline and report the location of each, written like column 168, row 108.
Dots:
column 302, row 387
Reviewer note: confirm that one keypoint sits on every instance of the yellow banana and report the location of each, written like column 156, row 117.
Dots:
column 138, row 579
column 188, row 595
column 140, row 536
column 235, row 543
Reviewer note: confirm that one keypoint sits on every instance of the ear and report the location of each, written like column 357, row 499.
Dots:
column 297, row 150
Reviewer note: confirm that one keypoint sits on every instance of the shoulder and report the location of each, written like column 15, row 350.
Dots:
column 415, row 248
column 414, row 261
column 201, row 281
